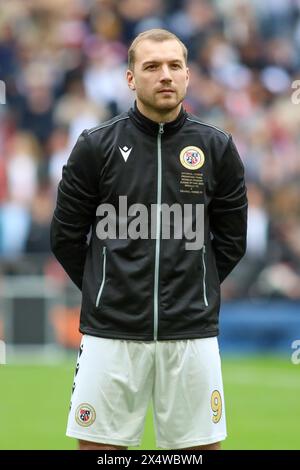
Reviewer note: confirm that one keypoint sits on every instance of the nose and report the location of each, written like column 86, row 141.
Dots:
column 165, row 74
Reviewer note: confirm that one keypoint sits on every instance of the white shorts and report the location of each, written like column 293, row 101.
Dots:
column 116, row 379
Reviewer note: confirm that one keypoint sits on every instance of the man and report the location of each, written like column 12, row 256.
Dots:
column 150, row 298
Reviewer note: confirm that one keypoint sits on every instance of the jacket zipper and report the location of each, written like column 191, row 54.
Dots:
column 103, row 276
column 158, row 228
column 204, row 277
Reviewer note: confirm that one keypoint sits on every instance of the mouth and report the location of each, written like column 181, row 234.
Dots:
column 166, row 90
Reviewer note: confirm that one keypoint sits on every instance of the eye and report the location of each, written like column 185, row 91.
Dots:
column 176, row 66
column 151, row 67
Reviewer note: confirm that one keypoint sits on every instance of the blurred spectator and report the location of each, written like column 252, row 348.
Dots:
column 37, row 240
column 22, row 168
column 258, row 223
column 59, row 149
column 14, row 223
column 36, row 114
column 105, row 73
column 75, row 111
column 240, row 283
column 281, row 277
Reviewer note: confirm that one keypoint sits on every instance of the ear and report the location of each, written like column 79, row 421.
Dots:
column 187, row 76
column 130, row 79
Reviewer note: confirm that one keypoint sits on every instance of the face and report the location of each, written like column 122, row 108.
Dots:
column 160, row 76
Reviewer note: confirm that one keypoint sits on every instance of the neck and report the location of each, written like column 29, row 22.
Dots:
column 167, row 115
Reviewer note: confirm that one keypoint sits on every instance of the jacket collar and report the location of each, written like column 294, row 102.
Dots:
column 151, row 127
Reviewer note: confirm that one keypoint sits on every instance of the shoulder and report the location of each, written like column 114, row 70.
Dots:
column 110, row 124
column 207, row 128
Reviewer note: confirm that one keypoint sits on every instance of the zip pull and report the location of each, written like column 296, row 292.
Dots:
column 161, row 128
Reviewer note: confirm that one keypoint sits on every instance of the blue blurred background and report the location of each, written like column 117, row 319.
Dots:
column 63, row 66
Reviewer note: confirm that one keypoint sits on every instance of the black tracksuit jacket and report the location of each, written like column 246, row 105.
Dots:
column 150, row 288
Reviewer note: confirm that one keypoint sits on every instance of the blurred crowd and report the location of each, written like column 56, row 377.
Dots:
column 63, row 65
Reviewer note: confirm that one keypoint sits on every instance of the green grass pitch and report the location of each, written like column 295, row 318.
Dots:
column 262, row 405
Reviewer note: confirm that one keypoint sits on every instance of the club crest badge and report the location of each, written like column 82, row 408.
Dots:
column 192, row 157
column 85, row 415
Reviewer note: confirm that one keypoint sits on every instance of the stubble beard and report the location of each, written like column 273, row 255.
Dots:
column 162, row 106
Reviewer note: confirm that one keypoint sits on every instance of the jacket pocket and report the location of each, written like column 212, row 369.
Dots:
column 204, row 276
column 103, row 276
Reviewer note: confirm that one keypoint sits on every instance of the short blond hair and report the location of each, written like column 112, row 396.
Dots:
column 157, row 35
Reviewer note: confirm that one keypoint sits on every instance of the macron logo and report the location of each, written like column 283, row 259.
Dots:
column 125, row 151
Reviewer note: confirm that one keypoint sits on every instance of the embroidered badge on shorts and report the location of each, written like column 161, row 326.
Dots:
column 85, row 415
column 192, row 157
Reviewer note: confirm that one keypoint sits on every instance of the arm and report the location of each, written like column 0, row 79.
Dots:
column 77, row 199
column 228, row 212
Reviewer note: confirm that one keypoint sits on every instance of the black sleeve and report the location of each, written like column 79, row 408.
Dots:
column 77, row 199
column 228, row 212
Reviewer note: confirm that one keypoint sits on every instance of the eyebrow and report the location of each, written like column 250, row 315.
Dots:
column 172, row 61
